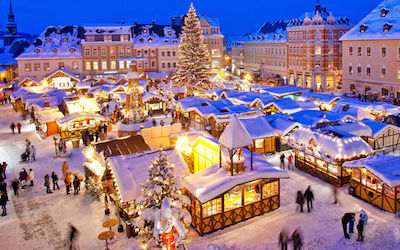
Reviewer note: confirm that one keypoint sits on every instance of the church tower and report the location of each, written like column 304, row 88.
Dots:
column 11, row 28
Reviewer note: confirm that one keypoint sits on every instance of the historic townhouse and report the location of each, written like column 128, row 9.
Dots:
column 214, row 40
column 371, row 53
column 314, row 49
column 238, row 65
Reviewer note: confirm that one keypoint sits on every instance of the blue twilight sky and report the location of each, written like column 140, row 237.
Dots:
column 236, row 16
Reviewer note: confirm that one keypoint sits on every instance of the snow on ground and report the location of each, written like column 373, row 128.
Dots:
column 37, row 220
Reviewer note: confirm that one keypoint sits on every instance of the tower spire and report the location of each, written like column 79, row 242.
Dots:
column 11, row 14
column 318, row 6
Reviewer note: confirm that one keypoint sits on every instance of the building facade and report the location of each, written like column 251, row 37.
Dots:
column 214, row 40
column 314, row 50
column 238, row 57
column 371, row 54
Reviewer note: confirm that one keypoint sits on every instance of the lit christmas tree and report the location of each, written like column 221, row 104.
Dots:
column 161, row 183
column 193, row 59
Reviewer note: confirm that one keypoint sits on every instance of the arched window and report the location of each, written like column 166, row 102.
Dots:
column 65, row 39
column 55, row 50
column 72, row 50
column 37, row 50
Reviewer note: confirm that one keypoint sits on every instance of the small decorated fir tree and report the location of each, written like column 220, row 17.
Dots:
column 193, row 59
column 160, row 183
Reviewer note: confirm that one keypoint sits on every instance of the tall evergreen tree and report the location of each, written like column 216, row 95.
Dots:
column 193, row 59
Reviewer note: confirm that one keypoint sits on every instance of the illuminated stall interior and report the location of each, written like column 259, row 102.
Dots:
column 47, row 121
column 154, row 104
column 82, row 104
column 262, row 134
column 376, row 180
column 322, row 153
column 72, row 125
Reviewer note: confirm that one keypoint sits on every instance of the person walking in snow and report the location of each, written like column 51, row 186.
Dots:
column 77, row 184
column 54, row 178
column 12, row 126
column 19, row 126
column 282, row 161
column 47, row 183
column 290, row 162
column 3, row 203
column 283, row 239
column 23, row 177
column 15, row 186
column 32, row 152
column 363, row 217
column 72, row 236
column 31, row 176
column 360, row 230
column 348, row 218
column 335, row 192
column 309, row 196
column 300, row 200
column 3, row 173
column 3, row 188
column 297, row 240
column 67, row 181
column 65, row 168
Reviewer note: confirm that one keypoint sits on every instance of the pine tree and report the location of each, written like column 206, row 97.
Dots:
column 160, row 183
column 193, row 59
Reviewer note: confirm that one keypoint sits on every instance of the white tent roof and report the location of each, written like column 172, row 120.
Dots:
column 235, row 135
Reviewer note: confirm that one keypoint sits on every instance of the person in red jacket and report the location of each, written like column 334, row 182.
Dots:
column 19, row 127
column 290, row 160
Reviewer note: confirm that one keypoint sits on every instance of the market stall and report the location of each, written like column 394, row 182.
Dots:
column 384, row 136
column 262, row 134
column 376, row 180
column 47, row 121
column 322, row 153
column 154, row 104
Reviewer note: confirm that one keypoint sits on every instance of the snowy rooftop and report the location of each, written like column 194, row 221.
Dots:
column 258, row 128
column 356, row 112
column 319, row 98
column 283, row 126
column 130, row 171
column 385, row 167
column 78, row 115
column 378, row 128
column 235, row 135
column 49, row 116
column 148, row 96
column 282, row 91
column 312, row 117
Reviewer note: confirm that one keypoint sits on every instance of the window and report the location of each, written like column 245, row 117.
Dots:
column 88, row 65
column 212, row 207
column 233, row 199
column 317, row 36
column 103, row 51
column 317, row 64
column 350, row 51
column 36, row 67
column 104, row 65
column 270, row 189
column 169, row 65
column 168, row 53
column 107, row 38
column 75, row 65
column 307, row 36
column 121, row 51
column 87, row 52
column 330, row 35
column 72, row 50
column 139, row 53
column 359, row 70
column 94, row 51
column 175, row 41
column 153, row 63
column 124, row 38
column 352, row 88
column 350, row 70
column 259, row 143
column 174, row 64
column 153, row 52
column 214, row 52
column 398, row 73
column 55, row 50
column 368, row 71
column 121, row 64
column 145, row 52
column 162, row 53
column 95, row 66
column 163, row 65
column 113, row 65
column 61, row 65
column 359, row 49
column 368, row 51
column 150, row 40
column 128, row 51
column 112, row 51
column 318, row 50
column 38, row 50
column 48, row 40
column 252, row 192
column 383, row 51
column 385, row 92
column 46, row 66
column 383, row 72
column 174, row 53
column 128, row 63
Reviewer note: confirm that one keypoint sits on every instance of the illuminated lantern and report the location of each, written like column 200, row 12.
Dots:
column 88, row 122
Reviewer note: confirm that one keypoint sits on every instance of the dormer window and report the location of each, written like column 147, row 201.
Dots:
column 141, row 40
column 37, row 50
column 72, row 50
column 48, row 40
column 55, row 50
column 150, row 40
column 175, row 41
column 58, row 31
column 166, row 40
column 363, row 28
column 144, row 30
column 169, row 33
column 387, row 27
column 65, row 39
column 384, row 12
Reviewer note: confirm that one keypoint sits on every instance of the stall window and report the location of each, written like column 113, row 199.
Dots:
column 212, row 207
column 322, row 165
column 270, row 189
column 356, row 175
column 389, row 191
column 252, row 193
column 369, row 181
column 332, row 169
column 233, row 199
column 259, row 143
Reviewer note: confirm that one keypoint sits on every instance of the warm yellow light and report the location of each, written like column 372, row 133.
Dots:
column 364, row 170
column 3, row 74
column 45, row 83
column 182, row 144
column 248, row 77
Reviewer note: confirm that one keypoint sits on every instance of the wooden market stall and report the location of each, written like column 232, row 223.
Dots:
column 241, row 188
column 322, row 153
column 384, row 136
column 47, row 121
column 262, row 134
column 154, row 104
column 376, row 180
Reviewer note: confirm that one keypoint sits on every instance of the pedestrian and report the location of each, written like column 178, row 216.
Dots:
column 363, row 217
column 67, row 181
column 47, row 183
column 347, row 219
column 162, row 123
column 27, row 143
column 19, row 127
column 3, row 188
column 23, row 177
column 283, row 239
column 300, row 200
column 54, row 178
column 12, row 127
column 65, row 168
column 1, row 171
column 3, row 203
column 32, row 153
column 77, row 184
column 4, row 167
column 154, row 123
column 297, row 240
column 309, row 196
column 15, row 186
column 31, row 176
column 73, row 234
column 282, row 161
column 360, row 230
column 96, row 135
column 335, row 193
column 290, row 162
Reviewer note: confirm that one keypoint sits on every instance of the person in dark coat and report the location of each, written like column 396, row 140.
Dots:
column 73, row 233
column 77, row 184
column 309, row 196
column 54, row 178
column 3, row 188
column 360, row 229
column 104, row 128
column 297, row 240
column 282, row 161
column 15, row 186
column 283, row 239
column 23, row 177
column 3, row 203
column 300, row 200
column 12, row 126
column 4, row 167
column 47, row 183
column 346, row 219
column 19, row 127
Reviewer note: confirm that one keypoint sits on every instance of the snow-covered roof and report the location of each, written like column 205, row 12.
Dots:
column 108, row 30
column 49, row 116
column 284, row 126
column 148, row 96
column 235, row 135
column 356, row 112
column 372, row 27
column 350, row 126
column 8, row 53
column 282, row 91
column 312, row 117
column 134, row 126
column 385, row 167
column 258, row 128
column 78, row 115
column 319, row 98
column 328, row 145
column 131, row 171
column 378, row 128
column 156, row 75
column 214, row 181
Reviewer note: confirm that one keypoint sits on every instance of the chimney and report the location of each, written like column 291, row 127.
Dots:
column 173, row 21
column 135, row 22
column 154, row 21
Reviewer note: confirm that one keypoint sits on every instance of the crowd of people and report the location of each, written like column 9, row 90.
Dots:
column 4, row 99
column 348, row 220
column 18, row 126
column 296, row 239
column 30, row 152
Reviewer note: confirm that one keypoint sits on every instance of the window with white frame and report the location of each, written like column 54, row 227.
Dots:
column 128, row 51
column 121, row 51
column 103, row 51
column 121, row 64
column 88, row 65
column 383, row 72
column 87, row 52
column 368, row 71
column 113, row 65
column 95, row 66
column 104, row 65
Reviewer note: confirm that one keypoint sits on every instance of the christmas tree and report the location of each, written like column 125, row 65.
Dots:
column 193, row 59
column 161, row 183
